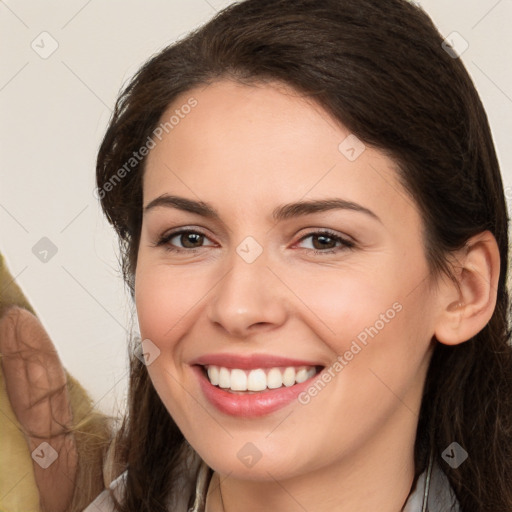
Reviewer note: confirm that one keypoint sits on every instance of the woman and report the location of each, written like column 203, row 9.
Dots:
column 314, row 232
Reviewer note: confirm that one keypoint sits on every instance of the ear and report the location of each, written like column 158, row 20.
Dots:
column 467, row 305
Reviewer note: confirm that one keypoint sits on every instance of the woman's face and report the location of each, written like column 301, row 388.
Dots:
column 264, row 282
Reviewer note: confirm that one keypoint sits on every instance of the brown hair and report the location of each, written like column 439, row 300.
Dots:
column 379, row 68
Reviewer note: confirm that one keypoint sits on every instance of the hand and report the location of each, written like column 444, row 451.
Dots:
column 36, row 384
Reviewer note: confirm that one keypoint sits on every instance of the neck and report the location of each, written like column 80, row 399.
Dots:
column 379, row 476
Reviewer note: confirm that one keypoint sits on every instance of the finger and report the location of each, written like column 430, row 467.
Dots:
column 55, row 463
column 35, row 378
column 36, row 384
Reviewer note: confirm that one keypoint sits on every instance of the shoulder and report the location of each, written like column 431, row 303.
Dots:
column 104, row 501
column 183, row 487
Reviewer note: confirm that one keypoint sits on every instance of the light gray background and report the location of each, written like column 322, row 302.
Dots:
column 53, row 113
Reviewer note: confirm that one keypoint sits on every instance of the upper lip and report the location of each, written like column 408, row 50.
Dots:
column 247, row 362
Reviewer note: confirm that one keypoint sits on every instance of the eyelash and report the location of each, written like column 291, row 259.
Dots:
column 345, row 244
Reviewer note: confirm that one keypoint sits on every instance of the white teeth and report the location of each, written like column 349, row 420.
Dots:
column 274, row 379
column 259, row 379
column 289, row 376
column 301, row 375
column 213, row 374
column 224, row 378
column 238, row 380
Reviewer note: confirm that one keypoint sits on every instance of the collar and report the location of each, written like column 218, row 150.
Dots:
column 432, row 492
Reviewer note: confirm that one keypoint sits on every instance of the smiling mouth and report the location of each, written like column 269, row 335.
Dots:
column 243, row 381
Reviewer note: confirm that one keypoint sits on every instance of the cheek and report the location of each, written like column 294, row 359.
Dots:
column 346, row 304
column 385, row 353
column 374, row 319
column 164, row 298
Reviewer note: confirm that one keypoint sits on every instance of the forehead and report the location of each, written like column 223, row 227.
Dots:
column 265, row 122
column 261, row 145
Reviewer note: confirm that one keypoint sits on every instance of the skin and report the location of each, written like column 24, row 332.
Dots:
column 246, row 150
column 35, row 381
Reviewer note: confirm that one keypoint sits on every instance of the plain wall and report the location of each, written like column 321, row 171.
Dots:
column 54, row 112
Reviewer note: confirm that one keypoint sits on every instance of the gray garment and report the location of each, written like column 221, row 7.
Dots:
column 432, row 493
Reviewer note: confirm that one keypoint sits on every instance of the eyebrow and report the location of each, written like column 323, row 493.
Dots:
column 283, row 212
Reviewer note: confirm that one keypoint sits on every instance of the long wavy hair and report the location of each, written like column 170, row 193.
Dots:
column 379, row 67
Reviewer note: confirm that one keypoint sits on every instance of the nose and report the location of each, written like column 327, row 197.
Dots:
column 248, row 299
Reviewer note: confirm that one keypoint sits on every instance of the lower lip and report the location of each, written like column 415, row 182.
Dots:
column 253, row 404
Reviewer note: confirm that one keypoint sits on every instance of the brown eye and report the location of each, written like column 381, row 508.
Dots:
column 185, row 240
column 326, row 242
column 323, row 242
column 190, row 240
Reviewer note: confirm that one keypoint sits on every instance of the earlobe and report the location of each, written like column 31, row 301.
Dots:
column 467, row 305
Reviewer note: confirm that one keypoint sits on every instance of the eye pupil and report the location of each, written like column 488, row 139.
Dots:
column 322, row 238
column 188, row 239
